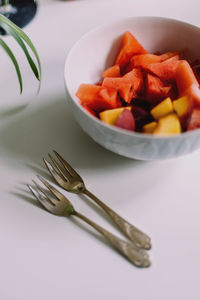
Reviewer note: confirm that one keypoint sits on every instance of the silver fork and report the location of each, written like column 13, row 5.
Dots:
column 71, row 181
column 58, row 204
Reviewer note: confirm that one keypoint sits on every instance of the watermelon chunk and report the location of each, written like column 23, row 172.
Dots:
column 143, row 60
column 168, row 55
column 187, row 83
column 128, row 86
column 185, row 77
column 135, row 77
column 113, row 71
column 196, row 70
column 156, row 90
column 194, row 122
column 97, row 98
column 165, row 70
column 89, row 110
column 122, row 87
column 193, row 92
column 129, row 47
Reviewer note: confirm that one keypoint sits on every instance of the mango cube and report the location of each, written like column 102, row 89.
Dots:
column 168, row 125
column 183, row 107
column 149, row 128
column 110, row 116
column 162, row 109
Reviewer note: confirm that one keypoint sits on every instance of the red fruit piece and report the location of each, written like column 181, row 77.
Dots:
column 135, row 77
column 129, row 47
column 165, row 70
column 196, row 70
column 126, row 120
column 113, row 71
column 98, row 98
column 194, row 122
column 194, row 93
column 89, row 110
column 129, row 86
column 143, row 103
column 143, row 60
column 122, row 87
column 156, row 90
column 185, row 77
column 187, row 83
column 195, row 62
column 140, row 116
column 168, row 55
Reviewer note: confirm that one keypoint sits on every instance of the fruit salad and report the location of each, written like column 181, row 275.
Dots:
column 155, row 94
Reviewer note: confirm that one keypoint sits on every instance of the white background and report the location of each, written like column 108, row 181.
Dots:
column 47, row 257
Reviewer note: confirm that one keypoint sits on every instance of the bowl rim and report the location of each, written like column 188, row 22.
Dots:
column 126, row 132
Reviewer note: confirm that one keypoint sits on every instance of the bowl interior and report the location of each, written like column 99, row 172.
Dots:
column 97, row 49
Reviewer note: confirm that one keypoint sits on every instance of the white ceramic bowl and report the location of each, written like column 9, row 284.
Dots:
column 97, row 49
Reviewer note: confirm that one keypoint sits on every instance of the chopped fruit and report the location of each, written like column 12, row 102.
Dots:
column 143, row 60
column 149, row 128
column 162, row 109
column 194, row 93
column 128, row 86
column 126, row 120
column 140, row 116
column 165, row 70
column 156, row 90
column 113, row 71
column 151, row 93
column 185, row 77
column 144, row 104
column 97, row 98
column 196, row 69
column 110, row 116
column 187, row 83
column 194, row 122
column 135, row 77
column 196, row 62
column 183, row 107
column 129, row 47
column 90, row 110
column 168, row 55
column 168, row 125
column 122, row 87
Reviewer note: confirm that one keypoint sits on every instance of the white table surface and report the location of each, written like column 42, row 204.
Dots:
column 47, row 257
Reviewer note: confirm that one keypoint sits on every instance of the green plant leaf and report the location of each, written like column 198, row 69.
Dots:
column 14, row 30
column 23, row 46
column 12, row 57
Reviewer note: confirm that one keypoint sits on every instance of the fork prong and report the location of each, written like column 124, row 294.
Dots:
column 41, row 198
column 66, row 165
column 59, row 168
column 40, row 191
column 53, row 172
column 54, row 191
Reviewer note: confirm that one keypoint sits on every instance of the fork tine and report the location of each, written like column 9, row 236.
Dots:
column 43, row 201
column 59, row 168
column 53, row 172
column 54, row 191
column 66, row 165
column 45, row 195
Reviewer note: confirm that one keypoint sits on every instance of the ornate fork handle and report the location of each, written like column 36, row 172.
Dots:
column 137, row 256
column 140, row 239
